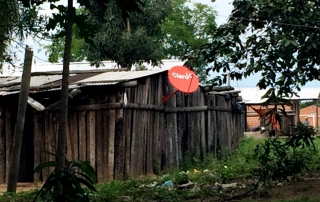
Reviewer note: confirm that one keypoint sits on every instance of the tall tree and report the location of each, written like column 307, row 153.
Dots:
column 63, row 115
column 127, row 38
column 55, row 50
column 188, row 27
column 100, row 12
column 278, row 39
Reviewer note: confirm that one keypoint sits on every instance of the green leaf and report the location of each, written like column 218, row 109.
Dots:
column 86, row 183
column 45, row 165
column 86, row 168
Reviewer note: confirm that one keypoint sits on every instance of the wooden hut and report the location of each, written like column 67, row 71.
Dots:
column 118, row 122
column 252, row 99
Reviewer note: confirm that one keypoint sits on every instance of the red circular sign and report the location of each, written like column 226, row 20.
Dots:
column 183, row 79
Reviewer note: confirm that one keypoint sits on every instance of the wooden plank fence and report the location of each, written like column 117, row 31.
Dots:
column 130, row 132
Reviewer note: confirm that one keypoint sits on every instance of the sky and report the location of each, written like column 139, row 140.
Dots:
column 223, row 8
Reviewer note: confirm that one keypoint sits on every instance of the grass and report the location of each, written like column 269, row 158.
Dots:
column 202, row 173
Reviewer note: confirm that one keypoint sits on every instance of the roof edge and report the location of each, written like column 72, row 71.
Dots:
column 78, row 71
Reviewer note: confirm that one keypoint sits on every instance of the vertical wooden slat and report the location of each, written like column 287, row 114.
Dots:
column 156, row 145
column 202, row 120
column 127, row 128
column 38, row 131
column 69, row 143
column 45, row 140
column 82, row 136
column 111, row 139
column 134, row 158
column 100, row 145
column 8, row 140
column 143, row 138
column 149, row 132
column 162, row 137
column 73, row 128
column 91, row 136
column 106, row 140
column 2, row 147
column 119, row 143
column 196, row 122
column 52, row 139
column 171, row 130
column 191, row 136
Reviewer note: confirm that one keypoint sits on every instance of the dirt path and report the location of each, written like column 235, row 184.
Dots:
column 21, row 187
column 296, row 190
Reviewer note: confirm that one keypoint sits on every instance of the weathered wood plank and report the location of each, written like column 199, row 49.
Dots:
column 111, row 142
column 202, row 119
column 127, row 127
column 211, row 124
column 100, row 146
column 105, row 138
column 69, row 143
column 2, row 147
column 82, row 136
column 91, row 137
column 149, row 129
column 73, row 127
column 46, row 141
column 9, row 134
column 119, row 144
column 37, row 138
column 108, row 106
column 196, row 124
column 52, row 139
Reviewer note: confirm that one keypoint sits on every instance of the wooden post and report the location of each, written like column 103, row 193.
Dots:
column 14, row 160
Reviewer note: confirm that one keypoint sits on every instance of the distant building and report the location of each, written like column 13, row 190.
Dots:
column 310, row 112
column 252, row 99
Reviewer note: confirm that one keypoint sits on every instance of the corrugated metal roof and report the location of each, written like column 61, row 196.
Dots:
column 41, row 80
column 98, row 84
column 43, row 83
column 253, row 95
column 119, row 76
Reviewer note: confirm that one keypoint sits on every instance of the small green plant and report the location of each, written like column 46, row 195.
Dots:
column 72, row 177
column 279, row 159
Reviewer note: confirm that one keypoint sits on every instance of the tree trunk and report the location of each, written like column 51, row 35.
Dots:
column 63, row 119
column 14, row 159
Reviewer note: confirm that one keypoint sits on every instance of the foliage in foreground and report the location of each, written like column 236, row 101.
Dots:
column 71, row 177
column 279, row 160
column 202, row 173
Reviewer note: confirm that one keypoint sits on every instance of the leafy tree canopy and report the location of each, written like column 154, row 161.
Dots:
column 277, row 38
column 188, row 27
column 108, row 30
column 17, row 23
column 55, row 50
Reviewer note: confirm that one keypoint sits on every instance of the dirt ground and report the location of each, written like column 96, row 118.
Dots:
column 296, row 190
column 288, row 191
column 21, row 187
